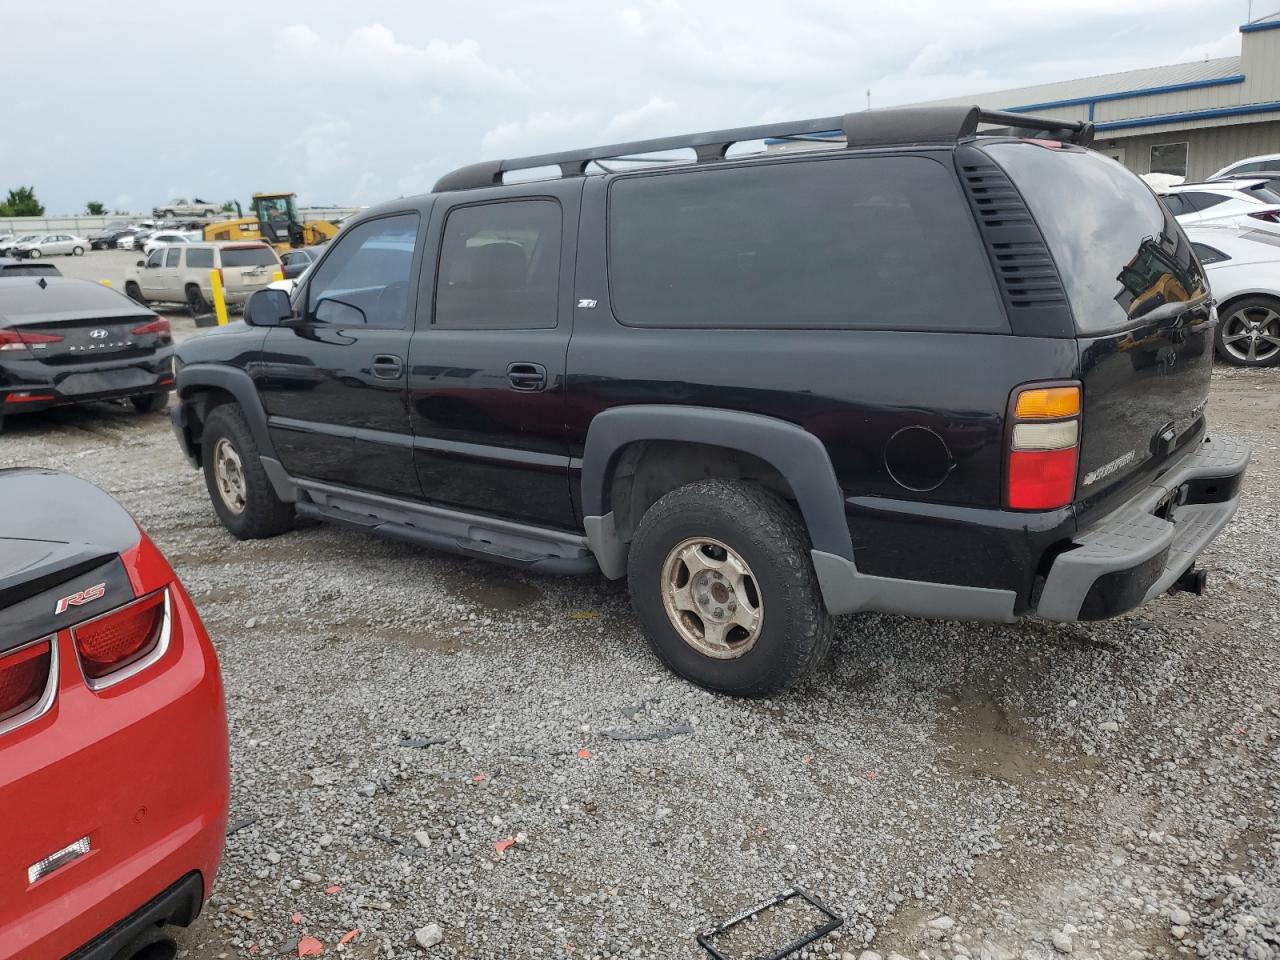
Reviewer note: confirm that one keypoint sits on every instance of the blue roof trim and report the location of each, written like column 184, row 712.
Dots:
column 1260, row 26
column 1128, row 94
column 1251, row 108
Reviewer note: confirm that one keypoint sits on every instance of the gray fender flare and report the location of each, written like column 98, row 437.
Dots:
column 803, row 461
column 791, row 450
column 239, row 384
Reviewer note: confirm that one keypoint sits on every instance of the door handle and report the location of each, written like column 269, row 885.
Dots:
column 528, row 377
column 387, row 366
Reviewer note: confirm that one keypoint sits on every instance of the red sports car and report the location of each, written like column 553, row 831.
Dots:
column 113, row 733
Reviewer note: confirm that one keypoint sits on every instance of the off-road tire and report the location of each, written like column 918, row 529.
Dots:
column 767, row 533
column 150, row 402
column 264, row 514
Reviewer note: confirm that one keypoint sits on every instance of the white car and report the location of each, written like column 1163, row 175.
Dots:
column 1244, row 275
column 162, row 239
column 1245, row 203
column 7, row 245
column 1269, row 162
column 52, row 245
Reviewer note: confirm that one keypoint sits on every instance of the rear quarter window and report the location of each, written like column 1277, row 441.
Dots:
column 1119, row 251
column 862, row 242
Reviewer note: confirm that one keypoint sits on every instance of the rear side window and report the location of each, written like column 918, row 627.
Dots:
column 1208, row 254
column 172, row 256
column 200, row 257
column 500, row 266
column 248, row 257
column 870, row 242
column 1118, row 249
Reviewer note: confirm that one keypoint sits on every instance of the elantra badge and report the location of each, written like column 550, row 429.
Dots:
column 80, row 599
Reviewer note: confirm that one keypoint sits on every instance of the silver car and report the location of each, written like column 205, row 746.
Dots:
column 51, row 245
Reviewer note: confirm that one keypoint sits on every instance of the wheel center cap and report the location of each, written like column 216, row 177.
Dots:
column 714, row 597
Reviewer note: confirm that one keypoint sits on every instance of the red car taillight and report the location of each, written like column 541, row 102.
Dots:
column 18, row 340
column 1044, row 444
column 24, row 677
column 159, row 325
column 118, row 639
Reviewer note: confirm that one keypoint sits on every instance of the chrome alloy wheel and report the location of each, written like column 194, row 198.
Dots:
column 712, row 598
column 1252, row 334
column 228, row 471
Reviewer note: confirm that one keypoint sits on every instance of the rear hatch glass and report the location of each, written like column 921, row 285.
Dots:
column 1141, row 306
column 249, row 267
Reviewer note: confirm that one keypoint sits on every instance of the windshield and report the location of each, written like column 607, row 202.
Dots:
column 1120, row 253
column 248, row 257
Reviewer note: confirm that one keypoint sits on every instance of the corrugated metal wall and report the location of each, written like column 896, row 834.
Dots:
column 1209, row 149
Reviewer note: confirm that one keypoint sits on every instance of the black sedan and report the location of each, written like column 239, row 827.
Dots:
column 65, row 341
column 10, row 267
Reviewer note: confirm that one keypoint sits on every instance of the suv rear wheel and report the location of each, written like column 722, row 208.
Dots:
column 134, row 293
column 721, row 580
column 196, row 302
column 242, row 495
column 1249, row 333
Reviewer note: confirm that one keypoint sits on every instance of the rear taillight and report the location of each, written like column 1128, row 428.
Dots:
column 24, row 679
column 1270, row 216
column 109, row 644
column 20, row 340
column 1044, row 444
column 157, row 325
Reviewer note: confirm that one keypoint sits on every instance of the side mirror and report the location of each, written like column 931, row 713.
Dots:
column 268, row 308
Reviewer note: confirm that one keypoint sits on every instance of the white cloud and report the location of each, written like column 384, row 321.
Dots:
column 373, row 52
column 535, row 133
column 323, row 148
column 642, row 121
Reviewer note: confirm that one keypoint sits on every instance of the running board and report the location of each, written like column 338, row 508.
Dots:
column 537, row 549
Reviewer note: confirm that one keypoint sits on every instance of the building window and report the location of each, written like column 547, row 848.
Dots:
column 1169, row 158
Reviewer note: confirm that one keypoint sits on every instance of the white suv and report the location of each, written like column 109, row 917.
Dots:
column 1247, row 202
column 180, row 273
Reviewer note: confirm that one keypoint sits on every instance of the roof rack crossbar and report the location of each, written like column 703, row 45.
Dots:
column 904, row 125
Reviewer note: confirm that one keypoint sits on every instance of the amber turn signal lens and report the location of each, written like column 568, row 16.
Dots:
column 1046, row 403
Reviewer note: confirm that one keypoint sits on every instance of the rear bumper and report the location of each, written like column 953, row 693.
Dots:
column 177, row 906
column 30, row 385
column 1138, row 551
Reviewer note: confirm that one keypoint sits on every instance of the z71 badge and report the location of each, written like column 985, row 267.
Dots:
column 96, row 592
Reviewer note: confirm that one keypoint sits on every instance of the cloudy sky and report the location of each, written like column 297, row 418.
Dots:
column 132, row 103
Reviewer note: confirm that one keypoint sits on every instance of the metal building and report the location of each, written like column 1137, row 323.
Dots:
column 1188, row 119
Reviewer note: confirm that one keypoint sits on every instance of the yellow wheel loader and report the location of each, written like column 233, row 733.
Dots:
column 275, row 221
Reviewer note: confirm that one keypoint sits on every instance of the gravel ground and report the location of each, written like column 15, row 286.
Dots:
column 436, row 748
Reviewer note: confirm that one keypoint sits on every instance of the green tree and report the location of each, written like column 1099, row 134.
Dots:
column 22, row 202
column 228, row 207
column 95, row 208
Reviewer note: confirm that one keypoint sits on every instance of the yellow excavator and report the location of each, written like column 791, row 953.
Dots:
column 275, row 221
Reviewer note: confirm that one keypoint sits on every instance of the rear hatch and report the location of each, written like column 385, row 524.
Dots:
column 61, row 321
column 1143, row 316
column 248, row 267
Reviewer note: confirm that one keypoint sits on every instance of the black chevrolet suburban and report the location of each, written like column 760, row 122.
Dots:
column 939, row 362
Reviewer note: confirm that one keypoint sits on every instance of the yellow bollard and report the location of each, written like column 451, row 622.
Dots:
column 105, row 283
column 219, row 299
column 277, row 276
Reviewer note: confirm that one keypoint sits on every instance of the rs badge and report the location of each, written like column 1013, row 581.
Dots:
column 81, row 598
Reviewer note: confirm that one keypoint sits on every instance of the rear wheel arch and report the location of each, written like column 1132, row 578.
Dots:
column 777, row 454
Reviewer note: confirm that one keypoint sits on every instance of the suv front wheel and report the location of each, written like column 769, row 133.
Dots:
column 721, row 579
column 242, row 495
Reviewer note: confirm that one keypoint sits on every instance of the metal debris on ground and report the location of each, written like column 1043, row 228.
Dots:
column 832, row 921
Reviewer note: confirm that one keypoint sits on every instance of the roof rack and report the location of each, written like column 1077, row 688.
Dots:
column 904, row 125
